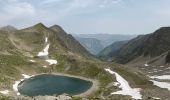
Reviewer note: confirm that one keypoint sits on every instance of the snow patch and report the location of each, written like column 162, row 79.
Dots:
column 45, row 66
column 116, row 83
column 150, row 72
column 156, row 98
column 51, row 61
column 15, row 85
column 168, row 68
column 146, row 65
column 46, row 39
column 163, row 77
column 165, row 85
column 124, row 85
column 32, row 61
column 26, row 76
column 45, row 51
column 4, row 92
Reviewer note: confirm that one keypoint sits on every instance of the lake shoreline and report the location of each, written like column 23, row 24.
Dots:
column 94, row 87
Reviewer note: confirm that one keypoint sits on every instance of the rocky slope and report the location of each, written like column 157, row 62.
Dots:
column 109, row 50
column 20, row 56
column 149, row 54
column 150, row 45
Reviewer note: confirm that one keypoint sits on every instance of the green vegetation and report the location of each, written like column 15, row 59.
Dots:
column 4, row 97
column 23, row 45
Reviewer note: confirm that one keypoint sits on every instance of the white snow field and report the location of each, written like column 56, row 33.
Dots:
column 165, row 85
column 51, row 61
column 5, row 92
column 15, row 85
column 124, row 85
column 32, row 61
column 45, row 66
column 46, row 39
column 162, row 77
column 45, row 51
column 146, row 65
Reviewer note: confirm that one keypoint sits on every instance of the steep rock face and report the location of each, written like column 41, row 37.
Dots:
column 150, row 45
column 68, row 41
column 107, row 52
column 94, row 46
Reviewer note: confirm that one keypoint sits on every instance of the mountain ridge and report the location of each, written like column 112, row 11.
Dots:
column 61, row 53
column 8, row 28
column 151, row 45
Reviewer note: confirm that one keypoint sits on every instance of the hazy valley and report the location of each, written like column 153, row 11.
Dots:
column 95, row 43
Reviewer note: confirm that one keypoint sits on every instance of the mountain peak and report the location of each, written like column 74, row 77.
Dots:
column 8, row 28
column 150, row 45
column 39, row 25
column 56, row 28
column 163, row 30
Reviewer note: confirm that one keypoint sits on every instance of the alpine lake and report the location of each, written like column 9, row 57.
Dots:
column 48, row 84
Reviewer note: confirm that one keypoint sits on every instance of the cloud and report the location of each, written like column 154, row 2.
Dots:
column 108, row 3
column 25, row 12
column 87, row 16
column 14, row 10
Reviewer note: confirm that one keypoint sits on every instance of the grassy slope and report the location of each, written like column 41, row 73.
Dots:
column 70, row 59
column 150, row 45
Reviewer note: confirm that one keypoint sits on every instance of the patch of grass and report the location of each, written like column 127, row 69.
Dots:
column 4, row 98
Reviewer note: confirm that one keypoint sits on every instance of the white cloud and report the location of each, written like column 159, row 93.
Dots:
column 108, row 3
column 14, row 10
column 88, row 16
column 24, row 12
column 45, row 2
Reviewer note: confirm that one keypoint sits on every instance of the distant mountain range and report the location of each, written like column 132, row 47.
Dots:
column 95, row 43
column 109, row 50
column 8, row 28
column 145, row 47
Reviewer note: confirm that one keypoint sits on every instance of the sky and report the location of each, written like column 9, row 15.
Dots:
column 88, row 16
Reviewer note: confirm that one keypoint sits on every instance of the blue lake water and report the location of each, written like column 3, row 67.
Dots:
column 53, row 85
